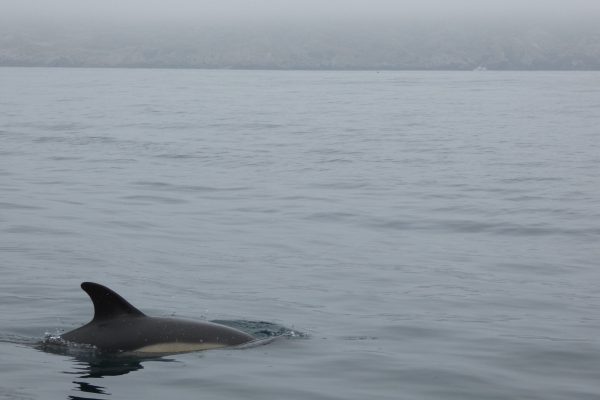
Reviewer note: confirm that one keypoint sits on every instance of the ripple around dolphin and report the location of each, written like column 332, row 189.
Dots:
column 262, row 329
column 90, row 363
column 52, row 343
column 264, row 332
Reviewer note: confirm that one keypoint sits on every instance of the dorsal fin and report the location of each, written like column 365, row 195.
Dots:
column 108, row 304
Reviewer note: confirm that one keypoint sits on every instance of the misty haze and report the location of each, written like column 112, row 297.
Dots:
column 378, row 35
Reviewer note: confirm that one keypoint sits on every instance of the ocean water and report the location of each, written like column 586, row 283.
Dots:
column 403, row 235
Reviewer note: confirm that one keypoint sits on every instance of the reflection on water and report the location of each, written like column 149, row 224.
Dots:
column 99, row 368
column 88, row 388
column 107, row 367
column 90, row 364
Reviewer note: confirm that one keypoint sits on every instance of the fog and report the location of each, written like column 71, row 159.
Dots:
column 141, row 11
column 303, row 34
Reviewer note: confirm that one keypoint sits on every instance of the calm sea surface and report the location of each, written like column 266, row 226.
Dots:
column 413, row 235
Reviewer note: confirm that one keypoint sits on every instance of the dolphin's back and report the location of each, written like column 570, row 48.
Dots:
column 119, row 326
column 142, row 332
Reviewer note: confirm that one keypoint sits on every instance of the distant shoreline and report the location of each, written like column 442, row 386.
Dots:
column 500, row 46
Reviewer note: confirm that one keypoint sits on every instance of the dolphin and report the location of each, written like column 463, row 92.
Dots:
column 118, row 326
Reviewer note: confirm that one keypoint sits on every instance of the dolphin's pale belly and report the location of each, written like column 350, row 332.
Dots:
column 178, row 347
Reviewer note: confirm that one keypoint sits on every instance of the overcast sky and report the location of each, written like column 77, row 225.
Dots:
column 236, row 10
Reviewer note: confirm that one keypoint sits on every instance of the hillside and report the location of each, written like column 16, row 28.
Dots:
column 402, row 46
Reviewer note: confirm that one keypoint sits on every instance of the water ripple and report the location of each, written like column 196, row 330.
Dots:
column 170, row 187
column 15, row 206
column 154, row 199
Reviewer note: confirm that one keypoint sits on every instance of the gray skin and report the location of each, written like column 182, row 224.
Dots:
column 120, row 327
